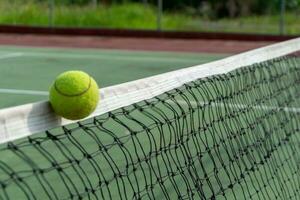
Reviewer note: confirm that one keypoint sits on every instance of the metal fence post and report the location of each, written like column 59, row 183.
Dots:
column 51, row 12
column 95, row 3
column 159, row 14
column 282, row 18
column 145, row 2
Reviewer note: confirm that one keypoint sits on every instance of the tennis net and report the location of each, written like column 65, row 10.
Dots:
column 224, row 130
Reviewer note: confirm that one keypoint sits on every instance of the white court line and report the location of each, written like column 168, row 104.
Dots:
column 110, row 57
column 11, row 55
column 258, row 107
column 28, row 92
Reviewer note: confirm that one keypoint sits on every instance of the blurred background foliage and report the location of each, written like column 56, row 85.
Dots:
column 206, row 8
column 243, row 16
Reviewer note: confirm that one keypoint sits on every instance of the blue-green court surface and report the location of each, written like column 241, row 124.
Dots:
column 27, row 73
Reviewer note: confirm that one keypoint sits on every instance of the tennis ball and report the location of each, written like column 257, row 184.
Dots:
column 74, row 95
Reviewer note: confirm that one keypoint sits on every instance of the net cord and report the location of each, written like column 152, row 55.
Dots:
column 25, row 120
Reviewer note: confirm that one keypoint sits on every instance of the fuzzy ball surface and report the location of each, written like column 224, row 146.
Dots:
column 74, row 95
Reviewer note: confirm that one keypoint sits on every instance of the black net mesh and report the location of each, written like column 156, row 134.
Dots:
column 231, row 136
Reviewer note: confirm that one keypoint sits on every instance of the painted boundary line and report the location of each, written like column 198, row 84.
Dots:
column 11, row 55
column 111, row 57
column 27, row 92
column 76, row 55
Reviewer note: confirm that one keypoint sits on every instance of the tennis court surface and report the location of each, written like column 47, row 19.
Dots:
column 34, row 69
column 228, row 129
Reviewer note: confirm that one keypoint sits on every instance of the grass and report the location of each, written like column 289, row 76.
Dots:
column 250, row 24
column 136, row 16
column 117, row 16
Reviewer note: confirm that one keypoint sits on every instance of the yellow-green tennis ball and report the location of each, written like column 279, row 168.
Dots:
column 74, row 95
